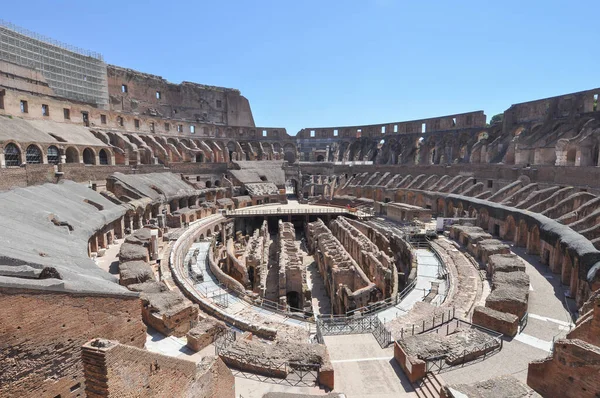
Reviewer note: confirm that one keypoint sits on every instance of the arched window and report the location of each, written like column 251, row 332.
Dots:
column 102, row 156
column 33, row 154
column 12, row 155
column 88, row 156
column 71, row 155
column 53, row 155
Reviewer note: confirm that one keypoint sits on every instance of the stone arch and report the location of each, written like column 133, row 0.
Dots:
column 483, row 218
column 533, row 243
column 510, row 229
column 289, row 153
column 450, row 209
column 571, row 156
column 521, row 240
column 441, row 207
column 33, row 154
column 72, row 155
column 104, row 157
column 12, row 155
column 89, row 156
column 53, row 155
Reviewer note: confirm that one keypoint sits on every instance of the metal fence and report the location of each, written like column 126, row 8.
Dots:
column 264, row 369
column 335, row 326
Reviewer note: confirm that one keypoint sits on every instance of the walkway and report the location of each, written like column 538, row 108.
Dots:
column 549, row 319
column 291, row 208
column 428, row 267
column 230, row 303
column 362, row 369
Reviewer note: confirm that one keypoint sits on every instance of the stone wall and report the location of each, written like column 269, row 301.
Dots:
column 117, row 370
column 293, row 289
column 376, row 264
column 41, row 335
column 348, row 286
column 571, row 372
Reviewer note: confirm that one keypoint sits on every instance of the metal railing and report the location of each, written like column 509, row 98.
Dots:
column 353, row 325
column 453, row 359
column 427, row 325
column 284, row 211
column 265, row 369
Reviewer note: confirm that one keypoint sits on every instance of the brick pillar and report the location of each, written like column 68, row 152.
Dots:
column 93, row 356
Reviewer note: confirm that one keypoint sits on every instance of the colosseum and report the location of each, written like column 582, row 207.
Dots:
column 156, row 242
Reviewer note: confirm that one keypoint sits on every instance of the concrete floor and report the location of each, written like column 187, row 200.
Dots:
column 363, row 369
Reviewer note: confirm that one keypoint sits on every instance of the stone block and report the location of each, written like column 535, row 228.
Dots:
column 501, row 322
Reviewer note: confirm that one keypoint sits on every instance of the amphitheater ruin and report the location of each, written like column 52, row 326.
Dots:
column 157, row 243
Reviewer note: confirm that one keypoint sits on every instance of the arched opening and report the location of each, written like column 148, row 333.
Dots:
column 53, row 155
column 571, row 154
column 251, row 276
column 33, row 154
column 12, row 155
column 320, row 158
column 595, row 155
column 533, row 246
column 199, row 157
column 208, row 184
column 88, row 156
column 289, row 157
column 293, row 300
column 510, row 228
column 102, row 156
column 522, row 234
column 71, row 155
column 217, row 183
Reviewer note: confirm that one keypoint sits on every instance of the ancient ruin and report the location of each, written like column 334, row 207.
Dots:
column 157, row 242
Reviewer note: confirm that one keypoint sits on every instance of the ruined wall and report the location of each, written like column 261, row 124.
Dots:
column 293, row 289
column 152, row 95
column 376, row 264
column 571, row 372
column 118, row 370
column 348, row 286
column 41, row 334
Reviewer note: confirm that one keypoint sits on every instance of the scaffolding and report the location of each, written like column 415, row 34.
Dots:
column 71, row 72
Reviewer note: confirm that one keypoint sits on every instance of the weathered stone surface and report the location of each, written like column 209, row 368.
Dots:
column 505, row 263
column 509, row 298
column 571, row 372
column 499, row 387
column 348, row 286
column 501, row 322
column 41, row 334
column 132, row 272
column 113, row 369
column 168, row 312
column 204, row 333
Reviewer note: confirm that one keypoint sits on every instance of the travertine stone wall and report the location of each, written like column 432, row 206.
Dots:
column 117, row 370
column 41, row 334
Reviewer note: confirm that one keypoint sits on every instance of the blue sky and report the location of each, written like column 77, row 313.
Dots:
column 332, row 63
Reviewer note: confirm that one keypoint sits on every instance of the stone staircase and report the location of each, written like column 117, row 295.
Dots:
column 429, row 387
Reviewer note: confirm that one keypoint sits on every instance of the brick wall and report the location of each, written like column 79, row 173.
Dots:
column 571, row 372
column 32, row 174
column 117, row 370
column 41, row 334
